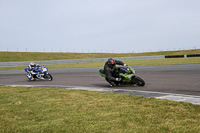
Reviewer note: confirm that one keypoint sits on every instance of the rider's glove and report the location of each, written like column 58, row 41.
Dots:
column 118, row 79
column 125, row 65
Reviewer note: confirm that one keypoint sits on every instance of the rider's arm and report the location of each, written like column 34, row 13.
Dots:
column 29, row 68
column 118, row 62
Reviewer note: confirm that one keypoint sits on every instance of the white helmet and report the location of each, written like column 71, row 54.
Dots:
column 32, row 64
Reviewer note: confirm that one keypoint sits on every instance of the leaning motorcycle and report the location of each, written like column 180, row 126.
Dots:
column 127, row 75
column 41, row 74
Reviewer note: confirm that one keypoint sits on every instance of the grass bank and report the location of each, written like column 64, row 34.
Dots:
column 168, row 61
column 28, row 109
column 34, row 56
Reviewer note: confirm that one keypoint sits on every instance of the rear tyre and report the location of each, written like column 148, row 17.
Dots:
column 48, row 77
column 139, row 81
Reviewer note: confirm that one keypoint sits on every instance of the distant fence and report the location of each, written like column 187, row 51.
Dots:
column 182, row 56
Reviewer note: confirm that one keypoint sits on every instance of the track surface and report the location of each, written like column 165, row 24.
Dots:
column 178, row 79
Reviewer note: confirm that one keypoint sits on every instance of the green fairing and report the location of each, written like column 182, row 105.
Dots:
column 103, row 75
column 126, row 76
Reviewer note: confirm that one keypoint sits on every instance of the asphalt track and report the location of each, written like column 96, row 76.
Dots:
column 172, row 82
column 177, row 79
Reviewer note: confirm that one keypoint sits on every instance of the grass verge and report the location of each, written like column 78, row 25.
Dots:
column 167, row 61
column 31, row 109
column 34, row 56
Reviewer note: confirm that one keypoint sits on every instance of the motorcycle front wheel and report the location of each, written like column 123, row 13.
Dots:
column 139, row 81
column 48, row 77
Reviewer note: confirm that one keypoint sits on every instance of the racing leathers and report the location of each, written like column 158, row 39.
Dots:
column 33, row 68
column 109, row 71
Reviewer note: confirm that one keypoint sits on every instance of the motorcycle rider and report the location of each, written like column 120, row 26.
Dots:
column 32, row 67
column 109, row 70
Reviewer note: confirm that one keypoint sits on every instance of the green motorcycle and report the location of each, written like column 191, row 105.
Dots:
column 127, row 75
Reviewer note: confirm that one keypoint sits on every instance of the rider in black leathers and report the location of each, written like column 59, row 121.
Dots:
column 109, row 70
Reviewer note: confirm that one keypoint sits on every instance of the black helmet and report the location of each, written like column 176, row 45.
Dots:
column 111, row 62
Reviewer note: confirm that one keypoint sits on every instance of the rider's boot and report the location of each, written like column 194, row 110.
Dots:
column 112, row 84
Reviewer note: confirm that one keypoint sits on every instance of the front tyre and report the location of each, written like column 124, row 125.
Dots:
column 139, row 81
column 48, row 77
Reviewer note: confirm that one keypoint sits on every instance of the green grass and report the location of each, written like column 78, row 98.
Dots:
column 29, row 109
column 33, row 56
column 168, row 61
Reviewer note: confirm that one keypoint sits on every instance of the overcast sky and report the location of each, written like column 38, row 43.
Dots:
column 99, row 25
